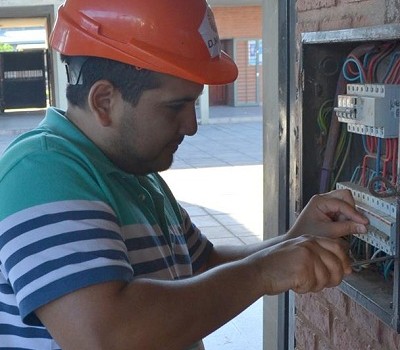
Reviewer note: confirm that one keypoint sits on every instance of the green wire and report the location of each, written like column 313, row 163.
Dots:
column 346, row 155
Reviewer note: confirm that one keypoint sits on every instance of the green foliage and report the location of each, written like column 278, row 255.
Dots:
column 6, row 47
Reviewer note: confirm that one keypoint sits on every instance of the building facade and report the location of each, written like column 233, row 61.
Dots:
column 239, row 23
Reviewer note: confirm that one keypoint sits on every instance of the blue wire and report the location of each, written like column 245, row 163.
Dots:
column 355, row 174
column 364, row 142
column 365, row 62
column 360, row 70
column 378, row 156
column 387, row 269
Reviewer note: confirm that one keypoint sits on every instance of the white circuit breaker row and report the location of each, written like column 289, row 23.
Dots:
column 381, row 213
column 370, row 109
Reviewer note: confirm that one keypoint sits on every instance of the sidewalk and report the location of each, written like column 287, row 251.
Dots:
column 217, row 177
column 229, row 114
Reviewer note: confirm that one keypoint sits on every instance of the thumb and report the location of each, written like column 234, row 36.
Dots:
column 343, row 228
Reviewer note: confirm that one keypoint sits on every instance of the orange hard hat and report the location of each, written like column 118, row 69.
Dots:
column 176, row 37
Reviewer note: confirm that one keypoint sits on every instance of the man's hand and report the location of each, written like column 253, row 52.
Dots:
column 331, row 214
column 304, row 264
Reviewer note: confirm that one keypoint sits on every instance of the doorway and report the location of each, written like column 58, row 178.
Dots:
column 26, row 77
column 223, row 95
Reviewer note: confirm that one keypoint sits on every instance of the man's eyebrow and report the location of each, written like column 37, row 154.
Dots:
column 183, row 99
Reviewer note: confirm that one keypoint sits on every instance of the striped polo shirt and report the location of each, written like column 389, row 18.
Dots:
column 70, row 219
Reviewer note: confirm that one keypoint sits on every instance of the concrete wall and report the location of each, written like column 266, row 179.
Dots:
column 331, row 320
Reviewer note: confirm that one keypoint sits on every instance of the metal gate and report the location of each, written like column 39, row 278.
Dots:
column 23, row 80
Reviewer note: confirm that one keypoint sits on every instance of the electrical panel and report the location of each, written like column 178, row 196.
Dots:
column 348, row 129
column 372, row 110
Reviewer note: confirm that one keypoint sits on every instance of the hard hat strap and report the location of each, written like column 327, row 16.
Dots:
column 74, row 69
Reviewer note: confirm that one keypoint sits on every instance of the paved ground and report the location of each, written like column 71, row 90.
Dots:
column 217, row 176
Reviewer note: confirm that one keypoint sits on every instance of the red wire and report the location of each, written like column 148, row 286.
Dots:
column 364, row 168
column 393, row 75
column 395, row 160
column 371, row 144
column 388, row 156
column 384, row 50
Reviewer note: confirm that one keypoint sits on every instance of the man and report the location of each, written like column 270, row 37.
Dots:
column 95, row 252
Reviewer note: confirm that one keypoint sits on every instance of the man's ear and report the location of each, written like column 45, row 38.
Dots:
column 101, row 100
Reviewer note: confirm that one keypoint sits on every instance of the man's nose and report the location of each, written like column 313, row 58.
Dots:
column 189, row 122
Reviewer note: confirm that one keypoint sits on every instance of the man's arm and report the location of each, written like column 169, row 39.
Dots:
column 150, row 314
column 331, row 214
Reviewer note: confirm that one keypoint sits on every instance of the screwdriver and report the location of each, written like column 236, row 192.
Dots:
column 371, row 261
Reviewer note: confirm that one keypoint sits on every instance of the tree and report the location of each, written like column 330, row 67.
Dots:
column 4, row 47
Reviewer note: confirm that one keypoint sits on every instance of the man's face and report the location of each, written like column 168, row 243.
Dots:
column 148, row 134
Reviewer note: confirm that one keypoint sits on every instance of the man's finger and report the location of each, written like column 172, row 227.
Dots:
column 343, row 210
column 344, row 228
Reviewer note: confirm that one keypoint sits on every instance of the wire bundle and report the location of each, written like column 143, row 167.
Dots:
column 370, row 63
column 366, row 64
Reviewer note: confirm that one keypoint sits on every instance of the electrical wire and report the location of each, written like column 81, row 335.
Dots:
column 368, row 63
column 346, row 155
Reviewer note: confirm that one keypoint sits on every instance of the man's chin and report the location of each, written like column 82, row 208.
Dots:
column 167, row 165
column 161, row 165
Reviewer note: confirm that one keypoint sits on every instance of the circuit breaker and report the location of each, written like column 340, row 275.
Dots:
column 370, row 109
column 347, row 135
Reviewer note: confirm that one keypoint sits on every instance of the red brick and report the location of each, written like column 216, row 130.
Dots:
column 316, row 312
column 308, row 25
column 337, row 299
column 336, row 23
column 346, row 336
column 323, row 345
column 365, row 320
column 239, row 21
column 388, row 337
column 364, row 21
column 392, row 12
column 306, row 5
column 305, row 337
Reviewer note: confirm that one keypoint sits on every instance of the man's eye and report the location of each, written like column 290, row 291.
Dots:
column 176, row 107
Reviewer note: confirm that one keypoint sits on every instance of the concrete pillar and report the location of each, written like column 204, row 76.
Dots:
column 278, row 17
column 205, row 105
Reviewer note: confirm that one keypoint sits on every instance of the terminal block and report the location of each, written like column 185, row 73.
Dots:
column 370, row 109
column 381, row 213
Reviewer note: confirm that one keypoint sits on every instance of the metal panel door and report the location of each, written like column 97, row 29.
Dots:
column 23, row 80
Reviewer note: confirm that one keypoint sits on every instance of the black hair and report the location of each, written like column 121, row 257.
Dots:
column 129, row 80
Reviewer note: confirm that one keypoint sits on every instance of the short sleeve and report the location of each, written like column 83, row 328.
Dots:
column 57, row 232
column 198, row 245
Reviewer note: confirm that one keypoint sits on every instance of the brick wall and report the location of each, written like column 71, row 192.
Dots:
column 318, row 15
column 239, row 22
column 330, row 320
column 242, row 23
